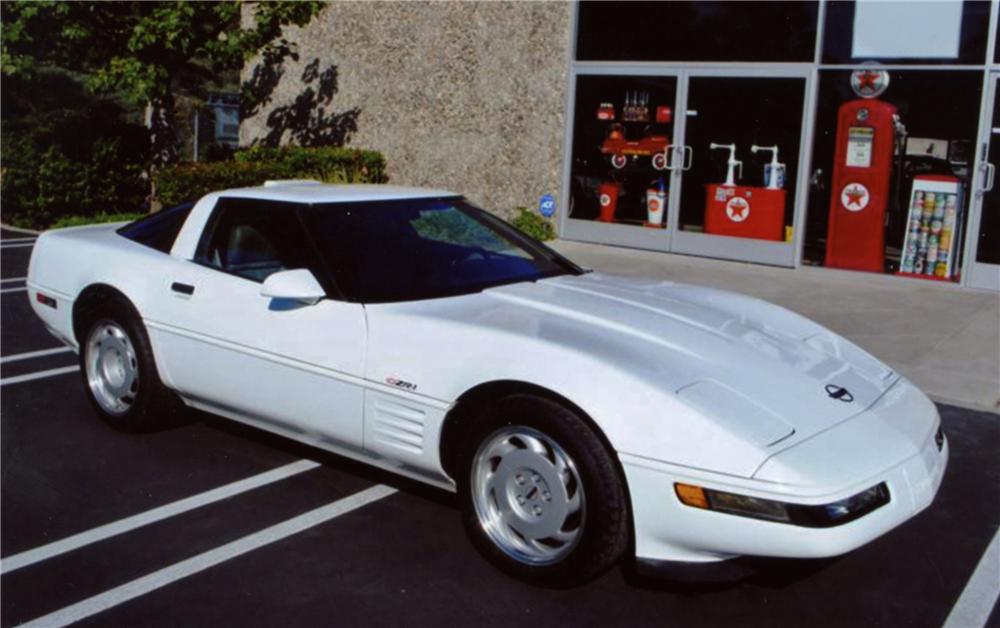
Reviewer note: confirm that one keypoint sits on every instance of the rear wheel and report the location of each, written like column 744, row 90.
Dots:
column 119, row 371
column 541, row 496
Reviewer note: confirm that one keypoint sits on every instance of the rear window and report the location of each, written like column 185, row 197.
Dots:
column 158, row 230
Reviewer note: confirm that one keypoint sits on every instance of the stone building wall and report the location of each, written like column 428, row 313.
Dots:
column 466, row 96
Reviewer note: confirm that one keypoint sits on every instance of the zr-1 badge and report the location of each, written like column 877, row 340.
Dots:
column 398, row 383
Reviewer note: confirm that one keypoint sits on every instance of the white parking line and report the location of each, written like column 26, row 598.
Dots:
column 980, row 595
column 17, row 379
column 201, row 562
column 33, row 354
column 17, row 245
column 16, row 240
column 100, row 533
column 13, row 279
column 6, row 290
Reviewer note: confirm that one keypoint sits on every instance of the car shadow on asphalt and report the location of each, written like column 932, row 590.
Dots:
column 753, row 571
column 325, row 458
column 768, row 573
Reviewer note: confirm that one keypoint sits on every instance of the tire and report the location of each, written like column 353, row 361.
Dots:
column 541, row 496
column 119, row 373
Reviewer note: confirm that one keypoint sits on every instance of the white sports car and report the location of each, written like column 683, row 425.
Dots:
column 579, row 416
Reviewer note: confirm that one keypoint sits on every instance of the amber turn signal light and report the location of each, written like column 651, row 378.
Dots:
column 691, row 495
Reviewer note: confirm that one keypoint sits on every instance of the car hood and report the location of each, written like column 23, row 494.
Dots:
column 763, row 372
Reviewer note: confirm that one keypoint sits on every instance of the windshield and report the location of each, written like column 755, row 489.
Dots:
column 425, row 248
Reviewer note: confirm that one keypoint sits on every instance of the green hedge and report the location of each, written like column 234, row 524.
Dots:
column 78, row 221
column 253, row 166
column 533, row 224
column 65, row 152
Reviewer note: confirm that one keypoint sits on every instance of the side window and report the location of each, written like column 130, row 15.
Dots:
column 252, row 239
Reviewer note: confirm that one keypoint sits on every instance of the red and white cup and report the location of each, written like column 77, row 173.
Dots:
column 607, row 193
column 656, row 201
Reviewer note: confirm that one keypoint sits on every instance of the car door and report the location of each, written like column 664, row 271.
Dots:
column 282, row 364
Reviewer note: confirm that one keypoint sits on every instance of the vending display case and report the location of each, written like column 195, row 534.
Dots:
column 933, row 228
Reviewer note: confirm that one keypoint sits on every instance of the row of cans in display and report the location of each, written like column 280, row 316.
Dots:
column 930, row 232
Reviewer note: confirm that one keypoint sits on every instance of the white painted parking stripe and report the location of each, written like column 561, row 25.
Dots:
column 13, row 279
column 100, row 533
column 17, row 245
column 33, row 354
column 980, row 595
column 183, row 569
column 6, row 290
column 17, row 379
column 16, row 240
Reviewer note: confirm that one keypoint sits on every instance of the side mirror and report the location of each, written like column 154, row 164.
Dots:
column 294, row 285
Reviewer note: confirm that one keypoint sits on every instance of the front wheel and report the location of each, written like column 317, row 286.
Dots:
column 542, row 498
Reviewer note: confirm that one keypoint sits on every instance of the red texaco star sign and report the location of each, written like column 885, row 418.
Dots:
column 869, row 83
column 854, row 197
column 738, row 209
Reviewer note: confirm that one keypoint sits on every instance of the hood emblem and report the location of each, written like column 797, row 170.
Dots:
column 839, row 392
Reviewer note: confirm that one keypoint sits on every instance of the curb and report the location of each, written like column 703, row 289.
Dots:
column 4, row 225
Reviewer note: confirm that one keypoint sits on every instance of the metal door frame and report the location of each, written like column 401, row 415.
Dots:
column 634, row 236
column 750, row 249
column 981, row 274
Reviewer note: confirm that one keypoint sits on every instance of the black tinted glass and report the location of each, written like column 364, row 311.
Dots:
column 425, row 248
column 158, row 230
column 253, row 239
column 696, row 31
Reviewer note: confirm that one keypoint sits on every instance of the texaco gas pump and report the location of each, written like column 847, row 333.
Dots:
column 867, row 130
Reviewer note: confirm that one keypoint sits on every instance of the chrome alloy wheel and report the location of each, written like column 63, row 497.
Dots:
column 528, row 495
column 112, row 369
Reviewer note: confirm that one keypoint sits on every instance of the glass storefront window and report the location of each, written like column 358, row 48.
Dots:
column 696, row 31
column 891, row 194
column 745, row 199
column 621, row 133
column 927, row 33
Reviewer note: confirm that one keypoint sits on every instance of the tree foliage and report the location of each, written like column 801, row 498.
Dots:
column 146, row 52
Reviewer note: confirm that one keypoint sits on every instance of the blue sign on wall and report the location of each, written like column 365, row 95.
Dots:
column 547, row 205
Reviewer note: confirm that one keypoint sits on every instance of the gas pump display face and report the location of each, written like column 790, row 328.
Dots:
column 859, row 146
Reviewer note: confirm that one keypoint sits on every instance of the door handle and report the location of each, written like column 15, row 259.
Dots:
column 671, row 154
column 990, row 172
column 182, row 288
column 688, row 157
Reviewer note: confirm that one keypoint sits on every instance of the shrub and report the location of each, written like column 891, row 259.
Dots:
column 255, row 165
column 533, row 224
column 77, row 221
column 70, row 156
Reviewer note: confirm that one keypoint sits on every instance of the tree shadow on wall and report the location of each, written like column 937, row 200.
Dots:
column 310, row 119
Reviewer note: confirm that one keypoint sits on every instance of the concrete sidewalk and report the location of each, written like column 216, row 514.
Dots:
column 946, row 340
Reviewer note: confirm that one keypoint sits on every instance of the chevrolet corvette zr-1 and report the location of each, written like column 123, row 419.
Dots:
column 579, row 416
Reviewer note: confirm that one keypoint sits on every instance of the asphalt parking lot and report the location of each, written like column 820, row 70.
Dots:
column 212, row 523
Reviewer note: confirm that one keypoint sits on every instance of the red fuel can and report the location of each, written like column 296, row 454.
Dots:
column 745, row 212
column 607, row 193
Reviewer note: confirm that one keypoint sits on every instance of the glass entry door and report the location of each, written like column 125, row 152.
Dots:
column 705, row 162
column 742, row 150
column 620, row 155
column 984, row 227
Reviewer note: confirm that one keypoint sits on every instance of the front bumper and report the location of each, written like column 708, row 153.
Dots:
column 667, row 530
